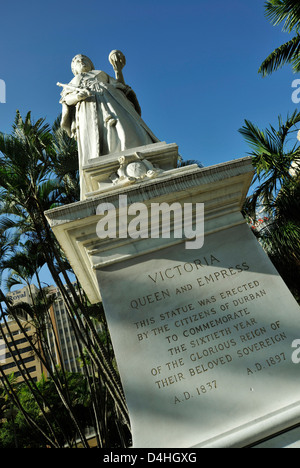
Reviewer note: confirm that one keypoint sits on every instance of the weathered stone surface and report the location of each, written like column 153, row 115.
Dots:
column 203, row 341
column 203, row 337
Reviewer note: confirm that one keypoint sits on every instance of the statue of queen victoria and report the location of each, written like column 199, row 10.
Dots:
column 102, row 112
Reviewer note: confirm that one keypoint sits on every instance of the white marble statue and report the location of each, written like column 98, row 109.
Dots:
column 102, row 112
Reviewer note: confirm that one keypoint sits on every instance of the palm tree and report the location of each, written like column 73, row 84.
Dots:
column 64, row 162
column 288, row 13
column 11, row 391
column 273, row 206
column 274, row 151
column 9, row 408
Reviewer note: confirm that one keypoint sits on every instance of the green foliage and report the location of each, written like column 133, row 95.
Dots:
column 273, row 152
column 64, row 162
column 284, row 11
column 276, row 194
column 39, row 170
column 16, row 427
column 288, row 13
column 286, row 53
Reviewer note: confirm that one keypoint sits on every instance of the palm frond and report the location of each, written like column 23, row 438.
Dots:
column 286, row 53
column 284, row 11
column 272, row 159
column 261, row 142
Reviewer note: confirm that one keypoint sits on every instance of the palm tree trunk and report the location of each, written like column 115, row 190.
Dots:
column 107, row 370
column 60, row 387
column 30, row 383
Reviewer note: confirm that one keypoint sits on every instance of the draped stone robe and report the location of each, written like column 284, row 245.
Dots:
column 106, row 122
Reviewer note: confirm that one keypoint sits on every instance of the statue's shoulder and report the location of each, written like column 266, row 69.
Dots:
column 101, row 75
column 95, row 74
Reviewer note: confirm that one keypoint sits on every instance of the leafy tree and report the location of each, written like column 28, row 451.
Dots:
column 64, row 163
column 288, row 13
column 273, row 206
column 57, row 414
column 38, row 170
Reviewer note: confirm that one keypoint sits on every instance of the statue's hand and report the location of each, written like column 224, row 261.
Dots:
column 72, row 99
column 117, row 60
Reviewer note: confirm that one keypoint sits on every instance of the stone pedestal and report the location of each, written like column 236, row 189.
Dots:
column 203, row 337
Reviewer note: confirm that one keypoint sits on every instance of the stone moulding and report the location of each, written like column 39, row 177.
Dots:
column 104, row 173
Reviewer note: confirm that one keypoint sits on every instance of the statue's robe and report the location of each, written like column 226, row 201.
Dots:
column 105, row 123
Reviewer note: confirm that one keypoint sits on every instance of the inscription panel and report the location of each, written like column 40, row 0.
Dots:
column 203, row 339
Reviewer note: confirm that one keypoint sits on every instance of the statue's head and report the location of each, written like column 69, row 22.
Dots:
column 81, row 64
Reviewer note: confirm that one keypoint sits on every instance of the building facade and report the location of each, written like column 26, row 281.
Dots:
column 60, row 335
column 15, row 349
column 18, row 356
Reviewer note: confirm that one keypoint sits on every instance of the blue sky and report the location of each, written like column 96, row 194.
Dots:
column 192, row 64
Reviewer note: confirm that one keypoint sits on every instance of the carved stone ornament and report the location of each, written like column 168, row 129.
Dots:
column 134, row 169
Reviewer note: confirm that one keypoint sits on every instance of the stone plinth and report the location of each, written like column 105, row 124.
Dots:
column 203, row 337
column 221, row 188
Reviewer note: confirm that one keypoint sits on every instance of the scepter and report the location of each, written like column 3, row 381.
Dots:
column 79, row 90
